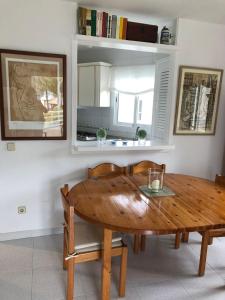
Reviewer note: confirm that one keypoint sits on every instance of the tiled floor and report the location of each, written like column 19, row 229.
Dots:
column 32, row 269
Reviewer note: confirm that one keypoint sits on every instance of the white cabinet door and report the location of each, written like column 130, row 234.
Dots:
column 86, row 85
column 103, row 86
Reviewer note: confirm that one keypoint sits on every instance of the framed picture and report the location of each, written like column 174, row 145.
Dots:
column 197, row 101
column 32, row 95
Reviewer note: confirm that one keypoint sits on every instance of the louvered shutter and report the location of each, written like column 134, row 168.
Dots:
column 161, row 111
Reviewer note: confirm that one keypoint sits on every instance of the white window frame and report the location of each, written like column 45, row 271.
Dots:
column 116, row 123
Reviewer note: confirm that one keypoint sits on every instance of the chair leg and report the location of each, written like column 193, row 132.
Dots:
column 185, row 237
column 203, row 255
column 106, row 264
column 70, row 280
column 177, row 240
column 123, row 272
column 64, row 250
column 137, row 243
column 143, row 242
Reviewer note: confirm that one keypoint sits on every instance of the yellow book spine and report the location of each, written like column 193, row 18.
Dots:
column 121, row 28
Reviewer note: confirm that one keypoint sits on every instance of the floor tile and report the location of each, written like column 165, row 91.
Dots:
column 50, row 243
column 16, row 255
column 48, row 251
column 15, row 285
column 168, row 290
column 48, row 284
column 31, row 269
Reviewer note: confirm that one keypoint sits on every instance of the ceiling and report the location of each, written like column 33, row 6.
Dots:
column 116, row 57
column 212, row 11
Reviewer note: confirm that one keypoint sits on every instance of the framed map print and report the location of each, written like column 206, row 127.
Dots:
column 197, row 101
column 32, row 95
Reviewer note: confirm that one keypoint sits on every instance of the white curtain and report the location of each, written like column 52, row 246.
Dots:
column 133, row 79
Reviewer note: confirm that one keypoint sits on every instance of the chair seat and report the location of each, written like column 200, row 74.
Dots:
column 89, row 237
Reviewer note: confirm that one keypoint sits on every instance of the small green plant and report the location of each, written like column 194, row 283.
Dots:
column 101, row 133
column 142, row 134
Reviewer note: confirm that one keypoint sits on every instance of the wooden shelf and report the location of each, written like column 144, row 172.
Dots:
column 124, row 44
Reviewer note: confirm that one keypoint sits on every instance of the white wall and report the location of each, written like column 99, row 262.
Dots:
column 32, row 175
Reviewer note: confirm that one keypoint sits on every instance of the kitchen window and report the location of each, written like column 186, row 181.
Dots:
column 134, row 109
column 133, row 91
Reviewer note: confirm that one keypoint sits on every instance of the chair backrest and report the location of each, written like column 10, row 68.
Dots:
column 144, row 165
column 68, row 219
column 220, row 179
column 106, row 169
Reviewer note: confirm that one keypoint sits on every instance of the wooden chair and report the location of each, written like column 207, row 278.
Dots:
column 141, row 167
column 83, row 242
column 105, row 170
column 207, row 236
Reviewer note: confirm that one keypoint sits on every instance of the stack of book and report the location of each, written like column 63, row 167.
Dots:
column 101, row 24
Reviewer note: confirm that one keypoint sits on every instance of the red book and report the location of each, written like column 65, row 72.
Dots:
column 104, row 24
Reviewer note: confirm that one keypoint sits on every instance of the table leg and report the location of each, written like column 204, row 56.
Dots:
column 177, row 240
column 137, row 241
column 143, row 242
column 203, row 255
column 185, row 237
column 106, row 264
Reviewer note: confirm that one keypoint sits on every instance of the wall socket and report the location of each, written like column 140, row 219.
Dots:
column 21, row 210
column 11, row 146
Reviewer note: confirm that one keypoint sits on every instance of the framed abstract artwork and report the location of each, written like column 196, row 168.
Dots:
column 197, row 101
column 32, row 95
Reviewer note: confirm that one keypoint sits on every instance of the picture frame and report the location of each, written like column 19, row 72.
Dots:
column 32, row 95
column 197, row 103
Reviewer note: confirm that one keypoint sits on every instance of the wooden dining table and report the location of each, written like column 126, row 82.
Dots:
column 117, row 204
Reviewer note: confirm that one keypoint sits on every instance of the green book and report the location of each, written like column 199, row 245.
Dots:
column 93, row 22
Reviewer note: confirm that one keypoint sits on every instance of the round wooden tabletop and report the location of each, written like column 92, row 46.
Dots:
column 117, row 203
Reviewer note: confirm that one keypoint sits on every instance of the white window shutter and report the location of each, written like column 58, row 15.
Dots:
column 161, row 110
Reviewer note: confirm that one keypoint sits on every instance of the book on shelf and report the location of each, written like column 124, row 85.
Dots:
column 118, row 28
column 99, row 24
column 114, row 25
column 124, row 30
column 102, row 24
column 81, row 17
column 88, row 22
column 109, row 26
column 121, row 28
column 93, row 22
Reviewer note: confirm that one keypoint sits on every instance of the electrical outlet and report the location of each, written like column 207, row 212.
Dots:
column 21, row 210
column 11, row 146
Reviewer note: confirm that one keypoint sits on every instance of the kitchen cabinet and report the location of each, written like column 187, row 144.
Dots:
column 94, row 84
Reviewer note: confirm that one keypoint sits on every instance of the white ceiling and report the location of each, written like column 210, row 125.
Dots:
column 206, row 10
column 116, row 57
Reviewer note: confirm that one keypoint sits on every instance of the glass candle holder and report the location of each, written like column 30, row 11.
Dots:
column 155, row 180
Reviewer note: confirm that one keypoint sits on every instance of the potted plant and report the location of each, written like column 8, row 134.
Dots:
column 141, row 135
column 101, row 134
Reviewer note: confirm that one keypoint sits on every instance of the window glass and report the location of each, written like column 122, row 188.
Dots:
column 126, row 104
column 144, row 108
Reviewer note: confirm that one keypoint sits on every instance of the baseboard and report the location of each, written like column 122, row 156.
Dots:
column 29, row 233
